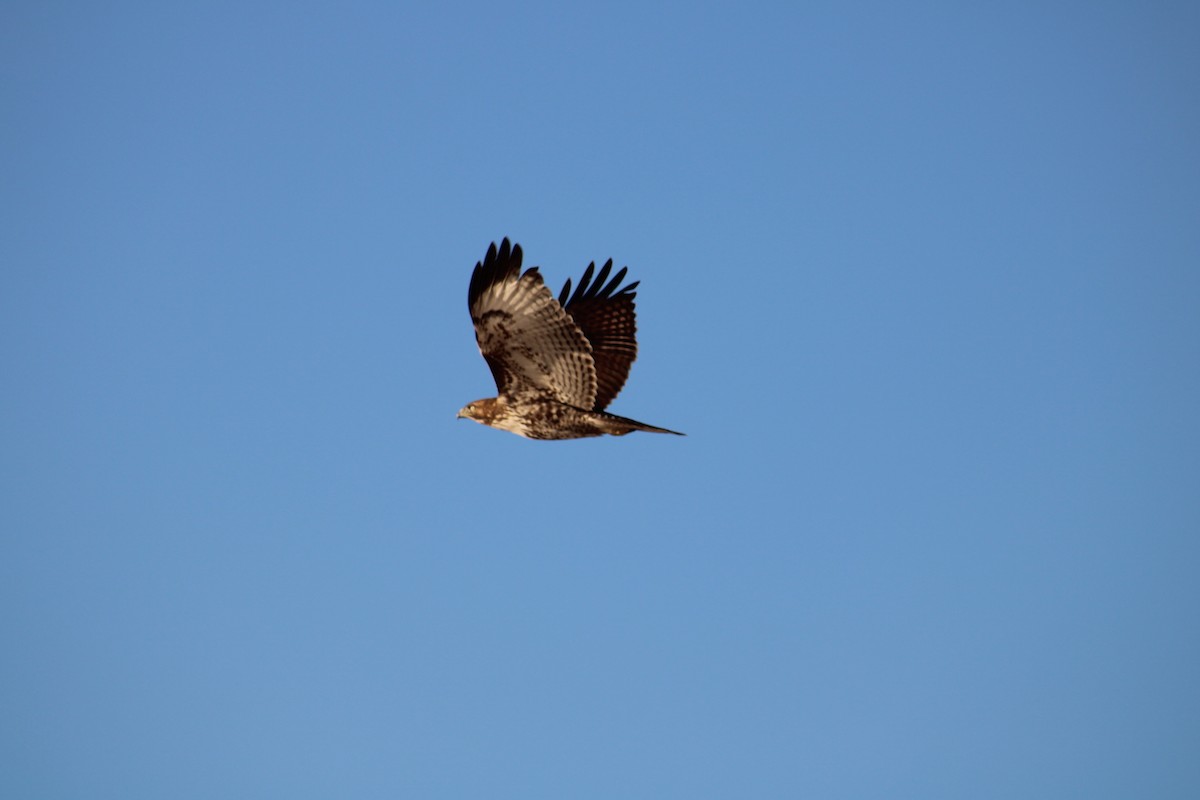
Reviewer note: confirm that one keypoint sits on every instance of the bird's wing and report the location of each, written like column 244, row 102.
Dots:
column 529, row 342
column 606, row 317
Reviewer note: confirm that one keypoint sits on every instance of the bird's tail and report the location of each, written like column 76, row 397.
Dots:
column 619, row 426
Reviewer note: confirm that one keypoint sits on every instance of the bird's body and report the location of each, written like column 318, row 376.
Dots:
column 557, row 363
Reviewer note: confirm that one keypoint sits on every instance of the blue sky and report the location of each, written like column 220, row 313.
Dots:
column 920, row 281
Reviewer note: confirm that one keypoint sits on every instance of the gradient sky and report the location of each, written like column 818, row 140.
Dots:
column 920, row 281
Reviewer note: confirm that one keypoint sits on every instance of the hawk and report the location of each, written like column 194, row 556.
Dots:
column 557, row 363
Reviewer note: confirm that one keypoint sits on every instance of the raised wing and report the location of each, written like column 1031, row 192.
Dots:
column 606, row 317
column 529, row 342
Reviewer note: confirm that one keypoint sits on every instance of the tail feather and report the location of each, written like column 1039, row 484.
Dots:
column 619, row 426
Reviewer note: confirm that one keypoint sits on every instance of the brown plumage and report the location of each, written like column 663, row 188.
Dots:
column 557, row 363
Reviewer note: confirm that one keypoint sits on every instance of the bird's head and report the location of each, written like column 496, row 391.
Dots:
column 482, row 411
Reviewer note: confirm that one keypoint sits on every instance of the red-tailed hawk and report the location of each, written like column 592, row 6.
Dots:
column 557, row 363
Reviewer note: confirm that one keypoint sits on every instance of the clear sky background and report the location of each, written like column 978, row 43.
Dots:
column 920, row 281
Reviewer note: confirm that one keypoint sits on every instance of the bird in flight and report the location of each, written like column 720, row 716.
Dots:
column 557, row 363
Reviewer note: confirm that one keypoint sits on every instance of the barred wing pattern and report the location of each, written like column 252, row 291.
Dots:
column 606, row 317
column 530, row 343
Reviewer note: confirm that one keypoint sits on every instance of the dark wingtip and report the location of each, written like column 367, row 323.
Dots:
column 498, row 263
column 596, row 285
column 584, row 282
